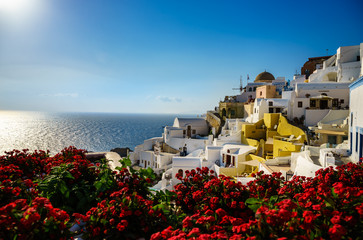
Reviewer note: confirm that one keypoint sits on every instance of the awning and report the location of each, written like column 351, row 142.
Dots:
column 322, row 97
column 331, row 132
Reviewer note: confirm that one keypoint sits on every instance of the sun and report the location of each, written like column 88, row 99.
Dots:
column 14, row 6
column 20, row 13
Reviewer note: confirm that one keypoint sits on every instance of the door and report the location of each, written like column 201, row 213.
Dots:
column 323, row 104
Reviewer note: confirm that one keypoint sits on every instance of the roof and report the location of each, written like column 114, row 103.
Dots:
column 264, row 76
column 195, row 122
column 321, row 86
column 357, row 83
column 238, row 149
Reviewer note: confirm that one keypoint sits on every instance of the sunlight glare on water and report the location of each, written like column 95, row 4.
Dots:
column 90, row 131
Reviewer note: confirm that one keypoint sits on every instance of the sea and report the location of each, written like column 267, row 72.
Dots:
column 95, row 132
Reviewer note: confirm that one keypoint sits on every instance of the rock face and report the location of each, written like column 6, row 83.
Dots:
column 123, row 152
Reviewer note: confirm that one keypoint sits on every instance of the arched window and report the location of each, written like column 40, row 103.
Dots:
column 180, row 172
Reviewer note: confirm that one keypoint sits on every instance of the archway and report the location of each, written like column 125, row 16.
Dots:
column 330, row 77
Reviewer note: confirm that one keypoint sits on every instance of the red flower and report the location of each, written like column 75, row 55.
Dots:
column 337, row 231
column 220, row 212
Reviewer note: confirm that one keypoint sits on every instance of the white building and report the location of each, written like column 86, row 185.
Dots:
column 267, row 105
column 250, row 89
column 230, row 132
column 314, row 100
column 356, row 120
column 192, row 126
column 344, row 66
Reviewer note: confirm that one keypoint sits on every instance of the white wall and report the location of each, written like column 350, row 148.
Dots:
column 213, row 153
column 319, row 74
column 347, row 54
column 286, row 95
column 191, row 144
column 148, row 144
column 356, row 119
column 348, row 72
column 313, row 116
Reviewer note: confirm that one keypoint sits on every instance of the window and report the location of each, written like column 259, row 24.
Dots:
column 270, row 104
column 250, row 89
column 358, row 58
column 278, row 110
column 341, row 101
column 254, row 89
column 260, row 93
column 335, row 102
column 194, row 131
column 312, row 103
column 299, row 104
column 332, row 139
column 232, row 112
column 351, row 120
column 271, row 110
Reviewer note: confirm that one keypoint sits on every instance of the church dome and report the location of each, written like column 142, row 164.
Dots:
column 265, row 77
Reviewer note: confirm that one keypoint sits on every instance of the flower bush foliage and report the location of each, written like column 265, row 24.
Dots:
column 41, row 197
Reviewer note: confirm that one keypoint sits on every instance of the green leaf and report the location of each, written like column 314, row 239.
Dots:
column 252, row 201
column 98, row 185
column 68, row 175
column 274, row 199
column 63, row 187
column 126, row 162
column 253, row 204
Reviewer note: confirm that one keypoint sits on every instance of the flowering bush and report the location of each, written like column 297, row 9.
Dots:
column 40, row 196
column 329, row 206
column 38, row 220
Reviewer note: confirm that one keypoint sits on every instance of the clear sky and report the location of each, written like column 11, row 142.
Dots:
column 158, row 56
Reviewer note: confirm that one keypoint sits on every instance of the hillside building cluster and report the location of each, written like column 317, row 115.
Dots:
column 295, row 127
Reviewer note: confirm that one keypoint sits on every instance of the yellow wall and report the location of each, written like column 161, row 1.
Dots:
column 231, row 172
column 286, row 129
column 271, row 119
column 283, row 148
column 254, row 131
column 255, row 135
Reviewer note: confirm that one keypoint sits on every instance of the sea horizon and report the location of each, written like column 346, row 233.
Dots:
column 92, row 131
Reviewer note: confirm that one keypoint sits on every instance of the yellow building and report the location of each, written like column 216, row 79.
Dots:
column 230, row 108
column 273, row 136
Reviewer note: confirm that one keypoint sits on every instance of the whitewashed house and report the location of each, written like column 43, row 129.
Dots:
column 328, row 87
column 356, row 120
column 230, row 132
column 344, row 66
column 267, row 105
column 192, row 127
column 315, row 100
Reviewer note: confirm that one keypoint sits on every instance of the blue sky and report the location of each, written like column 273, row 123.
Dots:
column 143, row 56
